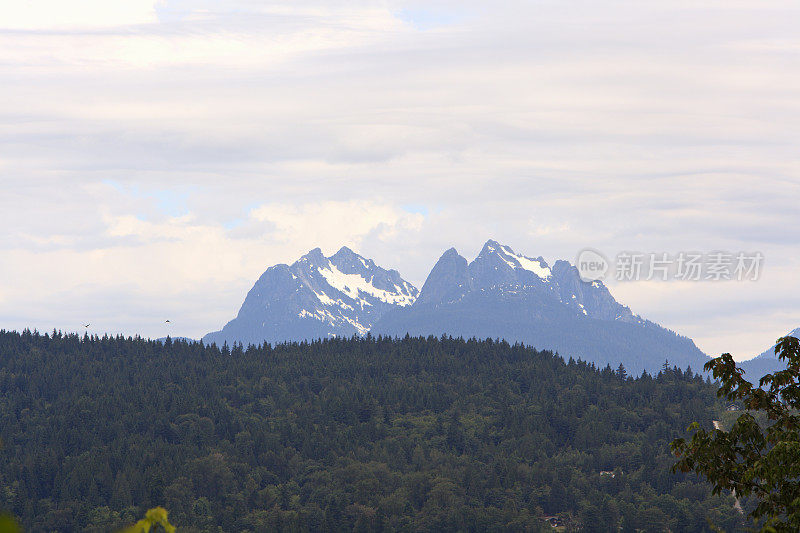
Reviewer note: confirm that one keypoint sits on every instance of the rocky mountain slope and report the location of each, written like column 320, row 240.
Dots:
column 500, row 294
column 503, row 294
column 316, row 297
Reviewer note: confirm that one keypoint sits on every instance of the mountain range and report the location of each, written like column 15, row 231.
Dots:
column 500, row 294
column 766, row 362
column 503, row 294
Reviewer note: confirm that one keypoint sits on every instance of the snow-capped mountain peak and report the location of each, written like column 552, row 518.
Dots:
column 317, row 296
column 537, row 266
column 359, row 287
column 499, row 294
column 505, row 294
column 350, row 290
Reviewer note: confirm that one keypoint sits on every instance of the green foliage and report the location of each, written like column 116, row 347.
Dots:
column 363, row 434
column 8, row 524
column 152, row 519
column 752, row 458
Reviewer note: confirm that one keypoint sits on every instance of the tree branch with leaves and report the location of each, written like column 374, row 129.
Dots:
column 751, row 460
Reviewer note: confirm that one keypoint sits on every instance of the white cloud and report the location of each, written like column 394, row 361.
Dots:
column 67, row 40
column 83, row 14
column 163, row 266
column 168, row 153
column 332, row 224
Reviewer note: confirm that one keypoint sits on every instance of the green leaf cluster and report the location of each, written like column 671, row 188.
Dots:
column 753, row 459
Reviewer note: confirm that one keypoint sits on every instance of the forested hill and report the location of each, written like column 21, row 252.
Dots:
column 365, row 434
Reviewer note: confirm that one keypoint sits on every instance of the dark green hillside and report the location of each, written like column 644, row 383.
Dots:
column 360, row 434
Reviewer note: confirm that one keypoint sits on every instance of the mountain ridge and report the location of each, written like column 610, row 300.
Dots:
column 499, row 294
column 766, row 362
column 504, row 294
column 316, row 297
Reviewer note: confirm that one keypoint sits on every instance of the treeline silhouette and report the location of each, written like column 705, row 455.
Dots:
column 367, row 434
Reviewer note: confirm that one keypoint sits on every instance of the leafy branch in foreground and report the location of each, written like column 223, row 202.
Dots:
column 748, row 459
column 153, row 518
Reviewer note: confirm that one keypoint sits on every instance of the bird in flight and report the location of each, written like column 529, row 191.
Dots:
column 167, row 322
column 86, row 325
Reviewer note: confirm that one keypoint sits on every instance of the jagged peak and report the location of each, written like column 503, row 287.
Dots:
column 347, row 255
column 318, row 258
column 447, row 281
column 353, row 277
column 489, row 247
column 345, row 251
column 315, row 255
column 448, row 260
column 450, row 252
column 493, row 246
column 563, row 269
column 513, row 260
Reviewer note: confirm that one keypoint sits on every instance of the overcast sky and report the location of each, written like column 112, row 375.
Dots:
column 155, row 158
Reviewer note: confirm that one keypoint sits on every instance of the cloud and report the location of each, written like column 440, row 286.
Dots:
column 52, row 14
column 333, row 224
column 164, row 154
column 141, row 267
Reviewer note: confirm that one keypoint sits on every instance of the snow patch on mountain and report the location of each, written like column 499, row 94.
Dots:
column 324, row 298
column 503, row 294
column 353, row 285
column 317, row 296
column 537, row 266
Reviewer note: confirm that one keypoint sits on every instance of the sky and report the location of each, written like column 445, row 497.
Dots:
column 157, row 157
